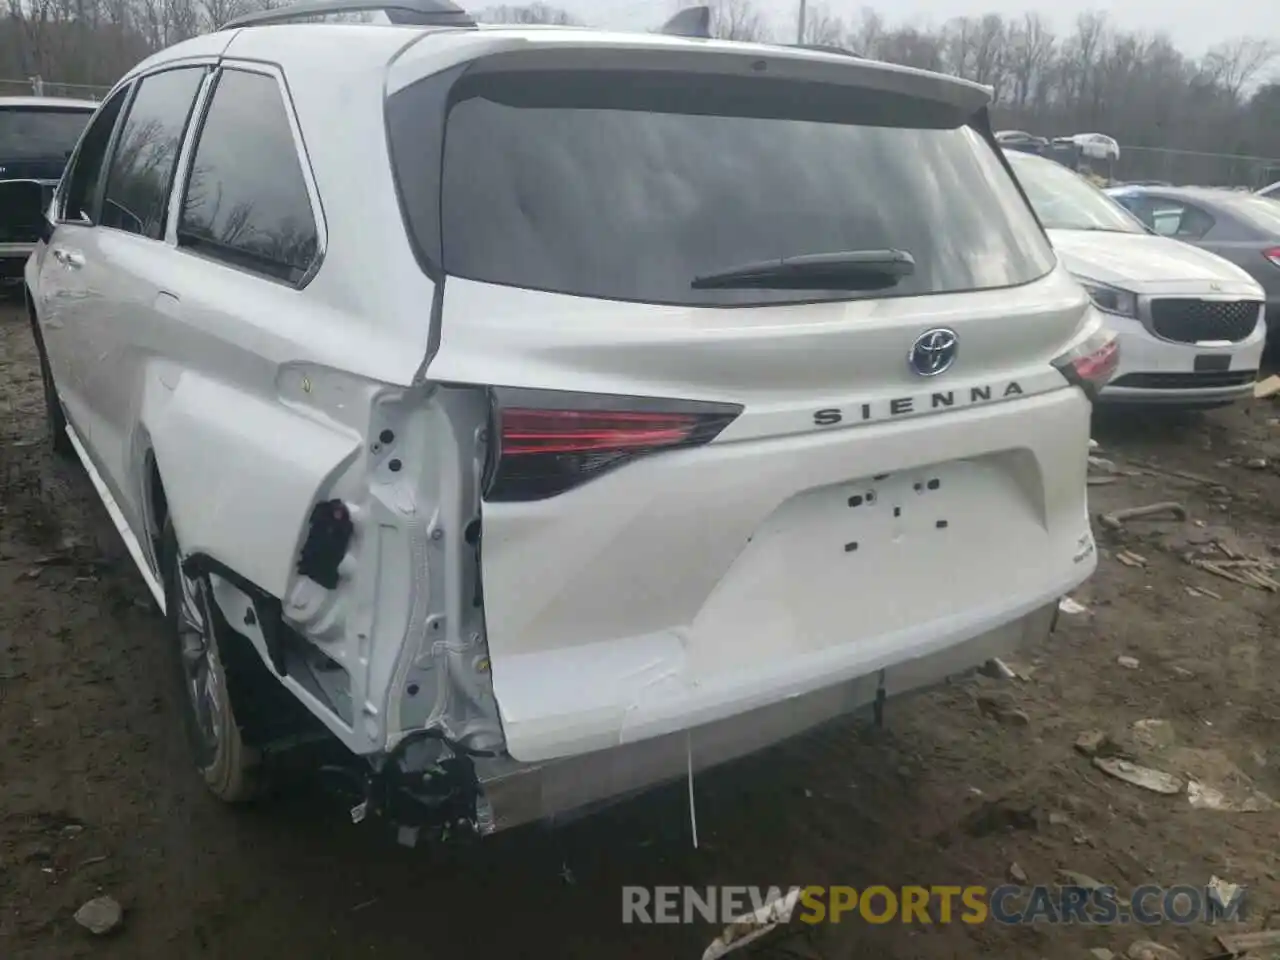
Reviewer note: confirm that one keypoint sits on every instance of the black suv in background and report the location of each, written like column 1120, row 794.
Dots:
column 37, row 135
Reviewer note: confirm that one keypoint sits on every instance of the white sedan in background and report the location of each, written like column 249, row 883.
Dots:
column 1191, row 323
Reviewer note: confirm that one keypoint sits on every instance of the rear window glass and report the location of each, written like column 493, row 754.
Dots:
column 39, row 133
column 628, row 186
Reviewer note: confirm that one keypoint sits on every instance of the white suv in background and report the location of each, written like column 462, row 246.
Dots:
column 1191, row 323
column 664, row 408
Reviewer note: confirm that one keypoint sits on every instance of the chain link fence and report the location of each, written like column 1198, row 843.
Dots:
column 39, row 87
column 1189, row 168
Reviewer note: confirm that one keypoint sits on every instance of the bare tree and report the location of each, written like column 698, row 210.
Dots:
column 214, row 13
column 824, row 28
column 737, row 20
column 957, row 43
column 913, row 48
column 990, row 54
column 1236, row 64
column 976, row 48
column 1031, row 47
column 1077, row 66
column 867, row 33
column 536, row 12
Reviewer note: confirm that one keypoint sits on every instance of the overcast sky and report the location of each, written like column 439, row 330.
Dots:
column 1193, row 25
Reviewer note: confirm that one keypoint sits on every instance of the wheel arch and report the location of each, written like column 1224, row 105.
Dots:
column 29, row 302
column 155, row 503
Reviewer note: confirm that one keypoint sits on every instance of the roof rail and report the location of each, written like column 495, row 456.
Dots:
column 425, row 13
column 827, row 48
column 689, row 22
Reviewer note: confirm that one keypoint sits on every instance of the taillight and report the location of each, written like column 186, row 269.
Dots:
column 1091, row 363
column 549, row 442
column 1273, row 254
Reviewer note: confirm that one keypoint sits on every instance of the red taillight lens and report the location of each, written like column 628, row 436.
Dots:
column 1092, row 363
column 1273, row 255
column 548, row 443
column 1099, row 366
column 526, row 432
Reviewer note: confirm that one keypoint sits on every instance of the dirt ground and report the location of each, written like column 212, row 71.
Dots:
column 96, row 795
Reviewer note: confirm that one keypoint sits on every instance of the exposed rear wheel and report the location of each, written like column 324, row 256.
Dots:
column 202, row 648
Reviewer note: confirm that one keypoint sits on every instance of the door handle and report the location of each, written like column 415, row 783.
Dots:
column 68, row 258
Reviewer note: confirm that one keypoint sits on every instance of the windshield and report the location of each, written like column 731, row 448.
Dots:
column 40, row 133
column 627, row 186
column 1063, row 200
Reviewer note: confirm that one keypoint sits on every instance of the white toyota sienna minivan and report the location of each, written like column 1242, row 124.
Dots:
column 547, row 413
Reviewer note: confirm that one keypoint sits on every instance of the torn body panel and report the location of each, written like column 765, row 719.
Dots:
column 364, row 527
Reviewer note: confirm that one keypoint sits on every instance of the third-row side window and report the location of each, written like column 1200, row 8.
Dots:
column 246, row 199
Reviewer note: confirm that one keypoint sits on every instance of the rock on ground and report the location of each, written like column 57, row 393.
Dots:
column 101, row 915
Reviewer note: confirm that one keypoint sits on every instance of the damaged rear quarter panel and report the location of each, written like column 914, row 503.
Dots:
column 402, row 623
column 241, row 471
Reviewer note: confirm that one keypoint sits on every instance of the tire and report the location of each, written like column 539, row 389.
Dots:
column 206, row 658
column 55, row 420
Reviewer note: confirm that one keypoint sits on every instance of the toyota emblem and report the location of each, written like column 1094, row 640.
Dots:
column 933, row 352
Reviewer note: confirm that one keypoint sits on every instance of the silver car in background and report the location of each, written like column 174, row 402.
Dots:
column 1241, row 227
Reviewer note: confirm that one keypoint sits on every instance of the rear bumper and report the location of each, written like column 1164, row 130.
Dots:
column 597, row 719
column 1180, row 392
column 522, row 793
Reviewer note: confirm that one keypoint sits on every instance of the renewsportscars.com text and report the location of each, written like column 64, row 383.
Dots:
column 1005, row 904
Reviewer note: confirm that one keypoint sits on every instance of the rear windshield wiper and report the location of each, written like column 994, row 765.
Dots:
column 838, row 270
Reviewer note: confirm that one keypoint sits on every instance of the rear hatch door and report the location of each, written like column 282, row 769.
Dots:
column 707, row 496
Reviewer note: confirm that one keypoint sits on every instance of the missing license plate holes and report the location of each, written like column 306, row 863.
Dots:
column 851, row 546
column 897, row 511
column 855, row 500
column 871, row 496
column 934, row 484
column 941, row 524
